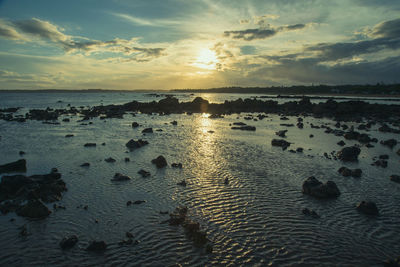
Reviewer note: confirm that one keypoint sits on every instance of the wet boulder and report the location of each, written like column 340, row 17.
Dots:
column 135, row 124
column 346, row 172
column 120, row 177
column 309, row 212
column 280, row 142
column 349, row 153
column 313, row 187
column 341, row 143
column 368, row 207
column 244, row 128
column 34, row 209
column 281, row 133
column 148, row 130
column 395, row 178
column 160, row 162
column 390, row 143
column 132, row 144
column 110, row 160
column 89, row 145
column 16, row 166
column 144, row 173
column 68, row 241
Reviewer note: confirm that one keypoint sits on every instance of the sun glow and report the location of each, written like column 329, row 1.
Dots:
column 206, row 59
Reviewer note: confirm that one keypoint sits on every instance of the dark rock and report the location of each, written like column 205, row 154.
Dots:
column 144, row 173
column 182, row 183
column 21, row 153
column 239, row 123
column 86, row 164
column 69, row 135
column 380, row 163
column 16, row 166
column 309, row 212
column 34, row 209
column 299, row 150
column 244, row 128
column 97, row 246
column 356, row 173
column 110, row 160
column 395, row 178
column 311, row 135
column 147, row 130
column 176, row 165
column 384, row 157
column 178, row 216
column 129, row 235
column 127, row 159
column 280, row 142
column 138, row 202
column 90, row 145
column 368, row 208
column 160, row 162
column 390, row 143
column 132, row 144
column 135, row 124
column 281, row 133
column 174, row 122
column 341, row 143
column 68, row 241
column 349, row 153
column 120, row 177
column 66, row 120
column 344, row 171
column 315, row 188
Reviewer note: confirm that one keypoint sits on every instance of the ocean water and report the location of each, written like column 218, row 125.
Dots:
column 255, row 220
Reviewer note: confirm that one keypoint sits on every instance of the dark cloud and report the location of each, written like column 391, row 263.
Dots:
column 387, row 29
column 44, row 30
column 252, row 34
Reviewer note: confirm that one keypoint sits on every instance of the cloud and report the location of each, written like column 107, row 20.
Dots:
column 35, row 29
column 145, row 22
column 387, row 29
column 262, row 33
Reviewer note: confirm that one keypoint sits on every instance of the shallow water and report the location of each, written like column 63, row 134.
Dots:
column 255, row 220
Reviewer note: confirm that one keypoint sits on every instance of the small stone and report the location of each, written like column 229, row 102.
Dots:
column 68, row 242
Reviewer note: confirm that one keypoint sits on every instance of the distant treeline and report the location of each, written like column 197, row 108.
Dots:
column 378, row 89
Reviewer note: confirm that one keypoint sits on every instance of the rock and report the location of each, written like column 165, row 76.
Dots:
column 356, row 173
column 384, row 156
column 120, row 177
column 127, row 159
column 344, row 171
column 34, row 209
column 239, row 123
column 69, row 135
column 244, row 128
column 311, row 135
column 97, row 246
column 299, row 150
column 315, row 188
column 182, row 183
column 380, row 163
column 309, row 212
column 147, row 130
column 68, row 241
column 129, row 235
column 21, row 153
column 341, row 143
column 176, row 165
column 349, row 153
column 390, row 143
column 178, row 216
column 129, row 202
column 138, row 202
column 281, row 133
column 144, row 173
column 110, row 160
column 280, row 142
column 160, row 162
column 174, row 122
column 395, row 178
column 132, row 144
column 135, row 124
column 16, row 166
column 89, row 145
column 86, row 164
column 368, row 207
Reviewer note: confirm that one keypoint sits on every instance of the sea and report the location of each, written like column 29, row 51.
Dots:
column 255, row 219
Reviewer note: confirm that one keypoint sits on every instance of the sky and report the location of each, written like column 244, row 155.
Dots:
column 173, row 44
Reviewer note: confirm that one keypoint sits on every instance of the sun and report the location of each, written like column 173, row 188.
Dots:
column 206, row 59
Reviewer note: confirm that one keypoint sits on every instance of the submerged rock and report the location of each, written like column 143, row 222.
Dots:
column 315, row 188
column 244, row 128
column 16, row 166
column 86, row 164
column 281, row 133
column 110, row 160
column 132, row 144
column 97, row 246
column 148, row 130
column 368, row 207
column 160, row 162
column 348, row 172
column 68, row 241
column 120, row 177
column 89, row 145
column 34, row 209
column 390, row 143
column 349, row 153
column 144, row 173
column 309, row 212
column 395, row 178
column 280, row 142
column 135, row 124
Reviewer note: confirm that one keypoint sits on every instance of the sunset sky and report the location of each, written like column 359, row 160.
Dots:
column 168, row 44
